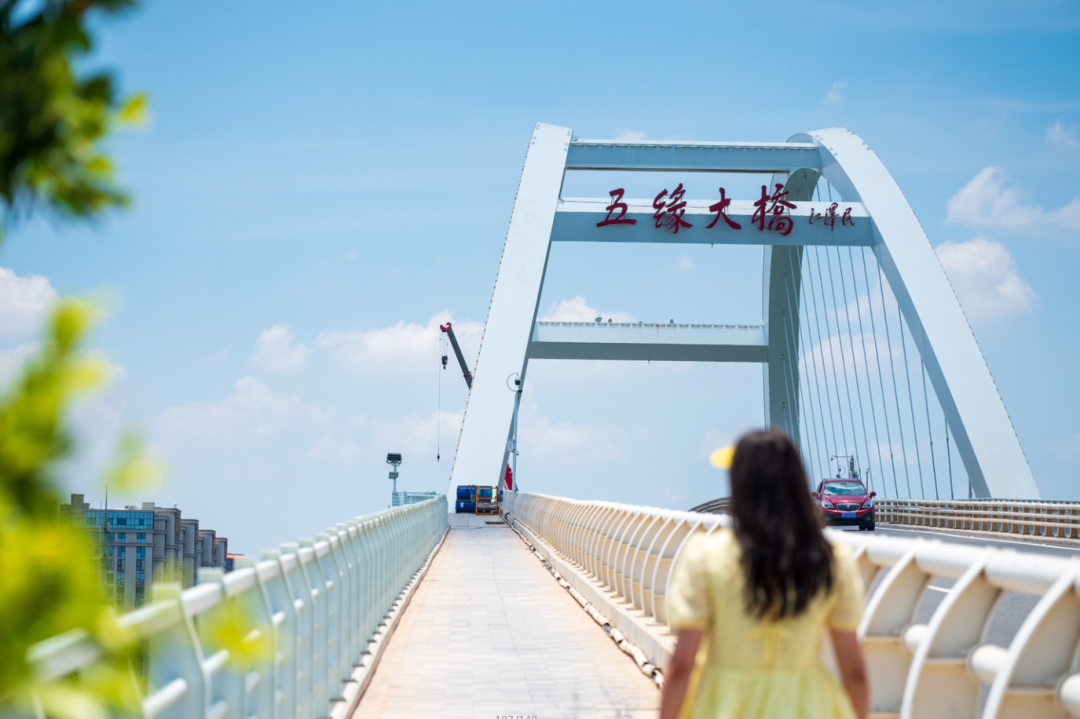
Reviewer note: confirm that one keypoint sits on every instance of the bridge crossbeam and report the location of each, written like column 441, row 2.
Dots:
column 693, row 156
column 670, row 343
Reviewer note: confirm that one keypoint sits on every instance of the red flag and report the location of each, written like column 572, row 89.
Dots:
column 509, row 480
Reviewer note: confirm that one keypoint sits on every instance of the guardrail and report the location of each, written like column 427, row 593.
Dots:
column 1018, row 517
column 1055, row 520
column 944, row 667
column 306, row 613
column 716, row 506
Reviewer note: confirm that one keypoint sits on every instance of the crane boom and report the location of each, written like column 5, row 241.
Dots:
column 449, row 330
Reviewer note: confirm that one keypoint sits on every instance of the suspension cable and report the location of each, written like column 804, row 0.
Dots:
column 851, row 342
column 929, row 427
column 911, row 402
column 840, row 341
column 892, row 371
column 832, row 358
column 866, row 369
column 791, row 417
column 824, row 374
column 789, row 329
column 804, row 395
column 948, row 456
column 881, row 376
column 813, row 363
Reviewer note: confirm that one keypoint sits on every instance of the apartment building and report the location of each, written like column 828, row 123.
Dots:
column 140, row 545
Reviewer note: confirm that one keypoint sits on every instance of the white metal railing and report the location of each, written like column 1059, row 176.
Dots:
column 715, row 506
column 1036, row 519
column 945, row 667
column 1054, row 520
column 304, row 616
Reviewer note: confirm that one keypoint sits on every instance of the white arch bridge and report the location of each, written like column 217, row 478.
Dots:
column 853, row 297
column 556, row 607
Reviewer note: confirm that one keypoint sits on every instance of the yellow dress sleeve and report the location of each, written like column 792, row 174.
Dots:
column 847, row 611
column 689, row 605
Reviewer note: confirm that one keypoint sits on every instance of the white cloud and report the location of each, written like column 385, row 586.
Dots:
column 417, row 433
column 564, row 441
column 321, row 414
column 24, row 303
column 985, row 279
column 11, row 361
column 684, row 264
column 571, row 442
column 836, row 92
column 987, row 201
column 274, row 350
column 333, row 449
column 578, row 310
column 253, row 408
column 1064, row 137
column 256, row 418
column 406, row 347
column 870, row 350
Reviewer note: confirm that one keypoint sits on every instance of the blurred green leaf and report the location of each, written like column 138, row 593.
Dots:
column 51, row 580
column 52, row 120
column 134, row 111
column 133, row 472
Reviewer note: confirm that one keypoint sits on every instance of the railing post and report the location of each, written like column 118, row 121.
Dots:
column 314, row 597
column 286, row 619
column 217, row 625
column 348, row 533
column 333, row 566
column 175, row 664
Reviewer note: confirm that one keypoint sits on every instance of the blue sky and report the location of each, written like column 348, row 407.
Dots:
column 320, row 185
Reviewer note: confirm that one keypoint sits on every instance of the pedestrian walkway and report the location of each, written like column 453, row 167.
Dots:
column 490, row 633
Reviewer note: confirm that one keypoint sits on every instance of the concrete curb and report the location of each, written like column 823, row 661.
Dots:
column 369, row 660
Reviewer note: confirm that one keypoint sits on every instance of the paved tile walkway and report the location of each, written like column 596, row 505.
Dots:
column 490, row 634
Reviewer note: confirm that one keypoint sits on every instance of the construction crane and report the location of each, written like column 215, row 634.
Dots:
column 449, row 330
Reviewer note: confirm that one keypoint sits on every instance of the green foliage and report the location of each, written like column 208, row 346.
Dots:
column 52, row 121
column 51, row 582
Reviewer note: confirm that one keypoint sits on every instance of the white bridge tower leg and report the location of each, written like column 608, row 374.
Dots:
column 482, row 445
column 782, row 281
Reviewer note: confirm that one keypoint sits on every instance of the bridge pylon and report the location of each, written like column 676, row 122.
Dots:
column 869, row 212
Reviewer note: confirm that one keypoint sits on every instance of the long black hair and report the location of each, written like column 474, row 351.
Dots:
column 786, row 559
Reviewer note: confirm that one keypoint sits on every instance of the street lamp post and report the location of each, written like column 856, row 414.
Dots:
column 394, row 460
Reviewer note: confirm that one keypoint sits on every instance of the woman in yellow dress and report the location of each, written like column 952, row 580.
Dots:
column 750, row 604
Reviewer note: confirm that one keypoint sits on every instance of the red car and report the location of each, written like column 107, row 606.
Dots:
column 846, row 502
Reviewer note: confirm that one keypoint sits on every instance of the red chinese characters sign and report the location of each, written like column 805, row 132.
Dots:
column 829, row 218
column 669, row 215
column 617, row 205
column 772, row 212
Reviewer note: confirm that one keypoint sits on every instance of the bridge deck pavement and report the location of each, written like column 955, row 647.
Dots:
column 489, row 633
